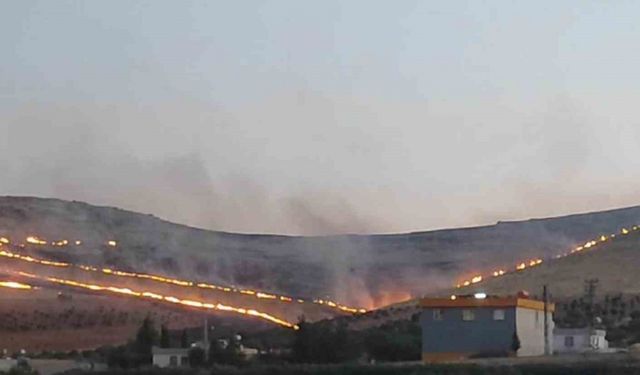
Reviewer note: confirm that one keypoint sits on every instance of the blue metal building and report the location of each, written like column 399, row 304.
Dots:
column 461, row 327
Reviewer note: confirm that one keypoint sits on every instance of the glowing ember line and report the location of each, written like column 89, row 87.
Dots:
column 15, row 285
column 535, row 262
column 170, row 299
column 36, row 241
column 182, row 283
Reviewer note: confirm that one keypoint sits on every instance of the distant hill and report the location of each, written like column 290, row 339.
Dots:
column 366, row 270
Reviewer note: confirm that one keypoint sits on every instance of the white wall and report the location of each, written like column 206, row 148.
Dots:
column 164, row 360
column 582, row 342
column 531, row 331
column 7, row 364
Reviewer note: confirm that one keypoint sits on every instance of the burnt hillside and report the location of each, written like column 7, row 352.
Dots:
column 614, row 263
column 365, row 270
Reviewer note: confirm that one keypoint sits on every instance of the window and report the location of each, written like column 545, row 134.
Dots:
column 437, row 314
column 498, row 314
column 568, row 341
column 173, row 361
column 184, row 361
column 468, row 315
column 537, row 319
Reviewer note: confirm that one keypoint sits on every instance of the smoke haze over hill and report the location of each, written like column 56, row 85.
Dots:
column 291, row 119
column 361, row 270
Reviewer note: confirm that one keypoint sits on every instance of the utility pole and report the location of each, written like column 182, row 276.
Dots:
column 205, row 340
column 590, row 286
column 545, row 297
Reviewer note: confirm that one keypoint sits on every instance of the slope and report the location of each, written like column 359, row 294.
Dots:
column 614, row 262
column 361, row 270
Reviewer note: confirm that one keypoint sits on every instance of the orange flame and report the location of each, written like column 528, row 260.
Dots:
column 170, row 299
column 183, row 283
column 15, row 285
column 532, row 263
column 36, row 241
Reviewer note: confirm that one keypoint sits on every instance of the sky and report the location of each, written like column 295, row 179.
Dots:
column 323, row 117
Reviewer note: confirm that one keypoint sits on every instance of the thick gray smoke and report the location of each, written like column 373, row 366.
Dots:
column 259, row 173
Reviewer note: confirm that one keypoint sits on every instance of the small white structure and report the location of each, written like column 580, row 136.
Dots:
column 249, row 353
column 7, row 364
column 170, row 357
column 578, row 340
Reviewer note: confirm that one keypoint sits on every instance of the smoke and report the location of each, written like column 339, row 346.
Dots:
column 207, row 168
column 305, row 163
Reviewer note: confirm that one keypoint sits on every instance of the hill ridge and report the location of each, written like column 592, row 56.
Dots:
column 360, row 270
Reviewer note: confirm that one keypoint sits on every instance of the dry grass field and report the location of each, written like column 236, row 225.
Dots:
column 615, row 263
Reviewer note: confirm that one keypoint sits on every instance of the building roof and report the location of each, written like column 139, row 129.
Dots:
column 490, row 301
column 169, row 351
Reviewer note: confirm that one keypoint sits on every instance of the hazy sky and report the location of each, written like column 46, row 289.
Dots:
column 320, row 117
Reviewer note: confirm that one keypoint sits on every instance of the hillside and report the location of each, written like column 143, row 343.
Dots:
column 364, row 270
column 39, row 320
column 615, row 263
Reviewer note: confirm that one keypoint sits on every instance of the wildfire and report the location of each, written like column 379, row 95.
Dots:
column 535, row 262
column 169, row 299
column 29, row 259
column 4, row 240
column 178, row 282
column 15, row 285
column 36, row 241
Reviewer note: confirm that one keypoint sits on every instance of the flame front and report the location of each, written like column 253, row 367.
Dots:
column 160, row 297
column 36, row 241
column 15, row 285
column 173, row 281
column 535, row 262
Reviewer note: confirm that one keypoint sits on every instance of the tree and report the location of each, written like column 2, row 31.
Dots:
column 184, row 339
column 226, row 355
column 232, row 351
column 196, row 357
column 165, row 338
column 323, row 343
column 216, row 352
column 146, row 337
column 515, row 343
column 343, row 347
column 394, row 341
column 302, row 344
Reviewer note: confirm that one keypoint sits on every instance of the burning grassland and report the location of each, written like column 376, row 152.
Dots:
column 278, row 309
column 62, row 319
column 15, row 285
column 613, row 260
column 166, row 279
column 273, row 308
column 520, row 266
